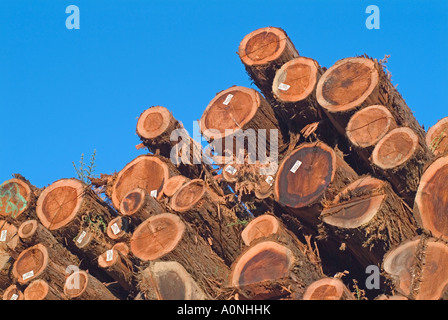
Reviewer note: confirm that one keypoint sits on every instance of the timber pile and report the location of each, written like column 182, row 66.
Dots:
column 338, row 178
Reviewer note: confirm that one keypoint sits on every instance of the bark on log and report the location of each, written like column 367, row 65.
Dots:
column 294, row 90
column 367, row 127
column 167, row 237
column 418, row 268
column 431, row 201
column 352, row 84
column 436, row 137
column 13, row 293
column 138, row 205
column 32, row 232
column 119, row 229
column 6, row 263
column 214, row 222
column 238, row 114
column 90, row 244
column 40, row 262
column 328, row 289
column 168, row 280
column 81, row 285
column 369, row 219
column 9, row 238
column 119, row 268
column 263, row 52
column 400, row 157
column 67, row 206
column 270, row 270
column 310, row 174
column 41, row 290
column 147, row 172
column 163, row 135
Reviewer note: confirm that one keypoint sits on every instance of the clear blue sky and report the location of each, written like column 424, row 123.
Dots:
column 66, row 92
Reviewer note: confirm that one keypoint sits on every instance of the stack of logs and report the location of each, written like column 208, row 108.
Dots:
column 348, row 182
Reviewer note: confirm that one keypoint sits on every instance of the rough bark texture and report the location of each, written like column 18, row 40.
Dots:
column 81, row 285
column 167, row 237
column 138, row 205
column 214, row 222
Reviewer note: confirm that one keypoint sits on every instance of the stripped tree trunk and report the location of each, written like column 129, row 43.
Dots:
column 214, row 222
column 167, row 237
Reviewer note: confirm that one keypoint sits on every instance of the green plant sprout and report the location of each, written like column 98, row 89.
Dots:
column 85, row 173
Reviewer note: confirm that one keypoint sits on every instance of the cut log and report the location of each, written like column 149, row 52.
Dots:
column 400, row 157
column 138, row 205
column 147, row 172
column 263, row 52
column 168, row 280
column 16, row 196
column 368, row 219
column 310, row 174
column 122, row 247
column 90, row 244
column 431, row 199
column 154, row 127
column 261, row 227
column 352, row 84
column 32, row 232
column 13, row 293
column 40, row 290
column 328, row 289
column 232, row 123
column 367, row 127
column 269, row 270
column 173, row 184
column 40, row 262
column 67, row 205
column 9, row 238
column 393, row 297
column 163, row 135
column 119, row 229
column 167, row 237
column 81, row 285
column 418, row 268
column 294, row 89
column 120, row 268
column 436, row 137
column 217, row 224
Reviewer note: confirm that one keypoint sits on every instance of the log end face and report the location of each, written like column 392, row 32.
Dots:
column 437, row 137
column 30, row 263
column 36, row 290
column 16, row 194
column 188, row 195
column 325, row 289
column 76, row 284
column 153, row 122
column 261, row 227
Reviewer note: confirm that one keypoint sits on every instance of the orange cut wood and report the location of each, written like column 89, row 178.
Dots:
column 328, row 289
column 15, row 198
column 436, row 137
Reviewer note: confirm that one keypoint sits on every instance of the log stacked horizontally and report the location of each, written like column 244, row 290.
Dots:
column 307, row 182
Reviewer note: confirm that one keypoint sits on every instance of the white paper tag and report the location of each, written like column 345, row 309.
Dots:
column 115, row 228
column 3, row 235
column 283, row 86
column 296, row 166
column 28, row 275
column 231, row 170
column 269, row 180
column 81, row 237
column 109, row 255
column 228, row 98
column 153, row 193
column 14, row 297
